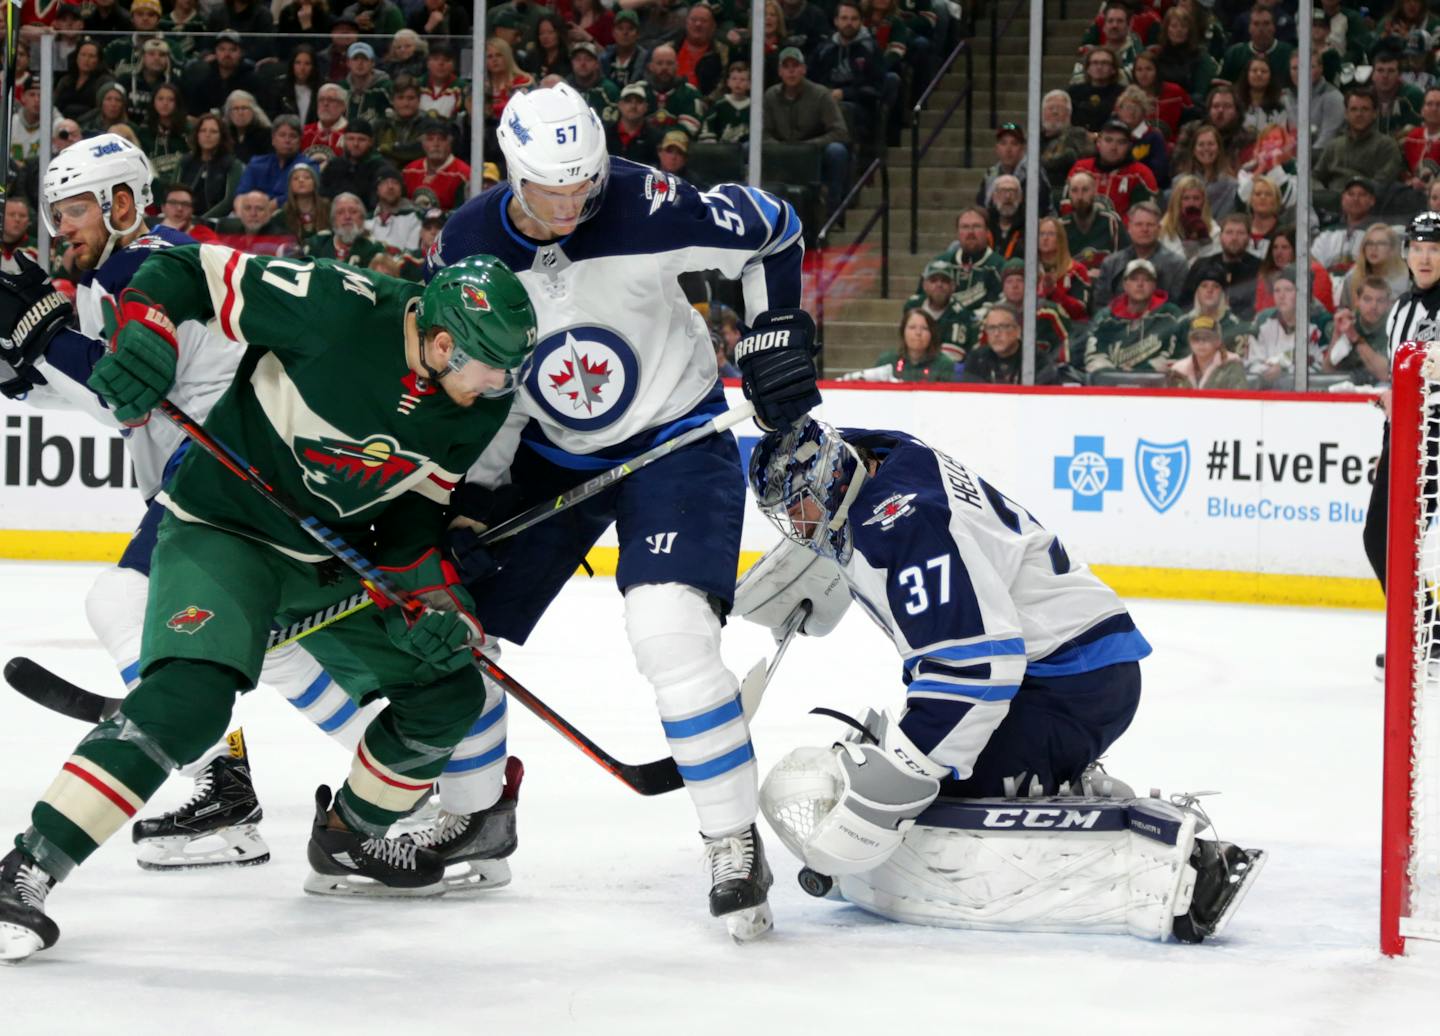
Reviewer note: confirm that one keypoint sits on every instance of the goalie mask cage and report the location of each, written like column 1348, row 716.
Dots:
column 1410, row 825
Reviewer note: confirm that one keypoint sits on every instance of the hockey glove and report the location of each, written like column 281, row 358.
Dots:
column 139, row 366
column 474, row 508
column 31, row 312
column 439, row 633
column 777, row 367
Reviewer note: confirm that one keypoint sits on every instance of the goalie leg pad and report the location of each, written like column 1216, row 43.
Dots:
column 1045, row 865
column 675, row 635
column 787, row 575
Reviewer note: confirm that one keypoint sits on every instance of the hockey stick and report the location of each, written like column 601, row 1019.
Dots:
column 585, row 490
column 653, row 778
column 752, row 688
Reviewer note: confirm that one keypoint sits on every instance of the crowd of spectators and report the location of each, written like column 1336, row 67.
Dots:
column 271, row 123
column 1167, row 184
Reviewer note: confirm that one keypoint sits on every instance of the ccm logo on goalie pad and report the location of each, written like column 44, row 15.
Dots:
column 764, row 341
column 1042, row 818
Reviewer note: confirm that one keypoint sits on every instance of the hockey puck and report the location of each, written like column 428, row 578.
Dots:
column 814, row 883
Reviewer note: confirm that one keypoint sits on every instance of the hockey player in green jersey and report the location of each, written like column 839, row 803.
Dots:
column 364, row 399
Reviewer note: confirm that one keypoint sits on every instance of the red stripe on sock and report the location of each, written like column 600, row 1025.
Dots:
column 360, row 754
column 100, row 786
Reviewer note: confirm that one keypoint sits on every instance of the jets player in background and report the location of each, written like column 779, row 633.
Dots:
column 1020, row 668
column 1415, row 317
column 95, row 195
column 625, row 362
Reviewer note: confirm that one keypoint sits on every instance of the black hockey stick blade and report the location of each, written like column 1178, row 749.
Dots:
column 56, row 693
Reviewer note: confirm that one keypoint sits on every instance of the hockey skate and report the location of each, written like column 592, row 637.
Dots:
column 24, row 927
column 476, row 844
column 347, row 863
column 740, row 880
column 219, row 825
column 1224, row 874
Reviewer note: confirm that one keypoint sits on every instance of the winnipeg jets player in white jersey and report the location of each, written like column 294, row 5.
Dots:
column 1020, row 668
column 95, row 194
column 625, row 362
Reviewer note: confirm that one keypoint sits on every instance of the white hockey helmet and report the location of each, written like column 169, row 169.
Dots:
column 552, row 138
column 97, row 166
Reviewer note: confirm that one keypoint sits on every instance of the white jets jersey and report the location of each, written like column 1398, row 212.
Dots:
column 205, row 367
column 973, row 591
column 622, row 357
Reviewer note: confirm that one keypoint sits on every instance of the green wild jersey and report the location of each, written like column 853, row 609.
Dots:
column 323, row 405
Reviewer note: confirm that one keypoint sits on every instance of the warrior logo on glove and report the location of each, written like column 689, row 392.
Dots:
column 777, row 367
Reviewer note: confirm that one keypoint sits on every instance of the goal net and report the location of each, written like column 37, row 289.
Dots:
column 1410, row 838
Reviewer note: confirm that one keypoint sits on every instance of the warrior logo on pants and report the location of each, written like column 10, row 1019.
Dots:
column 189, row 619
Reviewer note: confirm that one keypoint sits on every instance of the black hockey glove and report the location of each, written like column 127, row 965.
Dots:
column 31, row 312
column 777, row 367
column 473, row 510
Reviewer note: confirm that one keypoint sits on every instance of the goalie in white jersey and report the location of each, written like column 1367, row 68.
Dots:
column 1020, row 668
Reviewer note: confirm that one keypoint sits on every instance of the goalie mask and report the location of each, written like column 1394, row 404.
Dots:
column 805, row 480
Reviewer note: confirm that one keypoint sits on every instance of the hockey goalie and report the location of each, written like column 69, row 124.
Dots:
column 981, row 805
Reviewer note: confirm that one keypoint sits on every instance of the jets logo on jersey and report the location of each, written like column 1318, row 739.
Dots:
column 354, row 475
column 473, row 298
column 584, row 377
column 659, row 189
column 891, row 510
column 189, row 620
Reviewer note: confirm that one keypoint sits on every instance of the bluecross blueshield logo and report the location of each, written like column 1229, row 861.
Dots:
column 1088, row 474
column 1163, row 469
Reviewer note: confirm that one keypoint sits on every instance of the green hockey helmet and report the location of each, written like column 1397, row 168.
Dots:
column 487, row 312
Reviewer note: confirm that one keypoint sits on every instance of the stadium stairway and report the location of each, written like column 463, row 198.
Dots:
column 859, row 323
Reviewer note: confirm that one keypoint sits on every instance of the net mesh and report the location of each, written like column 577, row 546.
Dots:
column 1422, row 918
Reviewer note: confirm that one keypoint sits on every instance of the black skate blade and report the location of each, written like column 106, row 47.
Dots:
column 1240, row 888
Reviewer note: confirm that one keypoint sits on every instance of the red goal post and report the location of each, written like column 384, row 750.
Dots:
column 1410, row 822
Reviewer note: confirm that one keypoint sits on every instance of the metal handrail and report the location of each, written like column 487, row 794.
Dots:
column 917, row 152
column 882, row 214
column 995, row 33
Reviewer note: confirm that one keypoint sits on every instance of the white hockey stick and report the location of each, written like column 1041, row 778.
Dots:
column 752, row 688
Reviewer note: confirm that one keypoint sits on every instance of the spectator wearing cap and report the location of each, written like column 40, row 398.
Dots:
column 270, row 173
column 211, row 170
column 375, row 17
column 1271, row 357
column 248, row 19
column 1147, row 144
column 230, row 70
column 1093, row 229
column 955, row 324
column 1052, row 326
column 1005, row 216
column 585, row 77
column 674, row 152
column 798, row 111
column 334, row 65
column 1208, row 277
column 439, row 18
column 368, row 87
column 1415, row 60
column 977, row 265
column 1238, row 265
column 1062, row 143
column 1336, row 246
column 728, row 120
column 357, row 169
column 489, row 176
column 1397, row 102
column 123, row 54
column 108, row 113
column 503, row 78
column 154, row 68
column 1118, row 176
column 1093, row 100
column 1210, row 365
column 674, row 103
column 248, row 124
column 25, row 127
column 78, row 91
column 1262, row 43
column 107, row 16
column 998, row 360
column 306, row 211
column 397, row 135
column 1421, row 144
column 412, row 263
column 396, row 220
column 624, row 61
column 1359, row 344
column 325, row 137
column 1010, row 161
column 1136, row 332
column 1361, row 151
column 631, row 135
column 347, row 240
column 439, row 170
column 300, row 22
column 700, row 58
column 509, row 29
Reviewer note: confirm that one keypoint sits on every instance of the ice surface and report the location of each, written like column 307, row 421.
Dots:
column 604, row 929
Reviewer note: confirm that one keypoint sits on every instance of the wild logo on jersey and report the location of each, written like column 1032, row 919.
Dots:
column 190, row 619
column 584, row 377
column 353, row 475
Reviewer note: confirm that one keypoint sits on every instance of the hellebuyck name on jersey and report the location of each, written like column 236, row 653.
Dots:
column 611, row 363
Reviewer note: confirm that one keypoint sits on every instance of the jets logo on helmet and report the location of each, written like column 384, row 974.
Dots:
column 522, row 135
column 103, row 164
